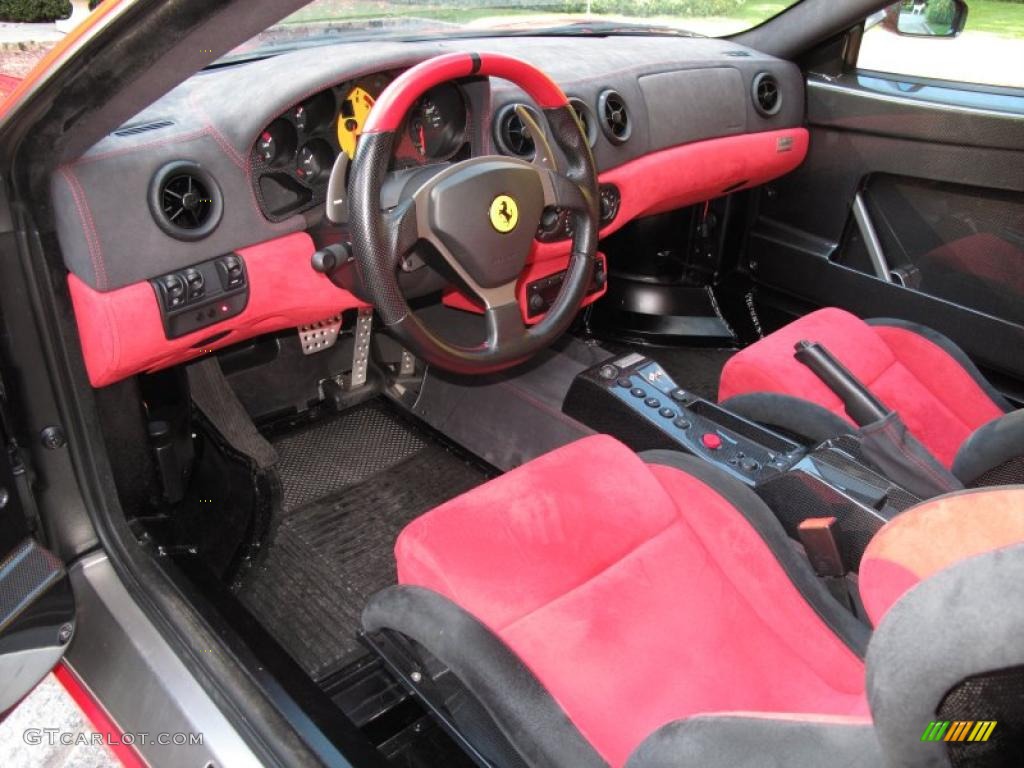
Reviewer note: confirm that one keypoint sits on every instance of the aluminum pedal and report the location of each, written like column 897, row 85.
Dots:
column 321, row 335
column 361, row 350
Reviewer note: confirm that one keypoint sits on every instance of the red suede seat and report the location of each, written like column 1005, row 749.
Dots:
column 596, row 608
column 585, row 545
column 939, row 398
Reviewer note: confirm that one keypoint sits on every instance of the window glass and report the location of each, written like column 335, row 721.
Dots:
column 989, row 50
column 419, row 19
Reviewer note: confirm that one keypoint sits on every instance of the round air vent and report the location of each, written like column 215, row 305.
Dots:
column 185, row 201
column 511, row 134
column 586, row 118
column 615, row 122
column 766, row 94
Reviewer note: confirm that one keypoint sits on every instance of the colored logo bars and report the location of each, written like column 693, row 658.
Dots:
column 958, row 730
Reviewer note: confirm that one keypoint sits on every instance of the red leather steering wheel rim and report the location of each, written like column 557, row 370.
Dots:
column 396, row 101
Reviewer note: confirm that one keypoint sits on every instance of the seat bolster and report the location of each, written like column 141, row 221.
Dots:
column 755, row 740
column 989, row 446
column 935, row 535
column 961, row 623
column 520, row 707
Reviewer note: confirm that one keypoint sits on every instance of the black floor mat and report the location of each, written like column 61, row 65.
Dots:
column 328, row 555
column 696, row 369
column 327, row 456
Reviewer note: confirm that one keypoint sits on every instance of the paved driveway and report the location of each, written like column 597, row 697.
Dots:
column 49, row 706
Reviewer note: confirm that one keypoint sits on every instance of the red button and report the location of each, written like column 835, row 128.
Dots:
column 711, row 441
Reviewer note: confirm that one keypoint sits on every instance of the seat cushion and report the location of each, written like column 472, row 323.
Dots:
column 636, row 594
column 938, row 400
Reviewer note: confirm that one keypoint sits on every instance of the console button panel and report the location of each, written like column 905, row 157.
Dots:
column 742, row 448
column 202, row 295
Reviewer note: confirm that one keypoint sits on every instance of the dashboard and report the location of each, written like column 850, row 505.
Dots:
column 293, row 156
column 192, row 226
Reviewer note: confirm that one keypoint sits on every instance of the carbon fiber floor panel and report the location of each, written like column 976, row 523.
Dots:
column 328, row 556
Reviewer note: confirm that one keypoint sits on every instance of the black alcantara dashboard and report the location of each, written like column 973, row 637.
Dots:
column 192, row 226
column 262, row 133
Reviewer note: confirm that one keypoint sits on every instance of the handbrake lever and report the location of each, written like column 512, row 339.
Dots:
column 885, row 440
column 862, row 405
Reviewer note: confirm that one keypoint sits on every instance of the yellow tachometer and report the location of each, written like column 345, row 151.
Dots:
column 354, row 111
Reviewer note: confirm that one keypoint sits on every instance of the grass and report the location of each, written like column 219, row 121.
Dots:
column 999, row 18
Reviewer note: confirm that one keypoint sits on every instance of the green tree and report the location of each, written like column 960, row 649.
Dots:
column 34, row 10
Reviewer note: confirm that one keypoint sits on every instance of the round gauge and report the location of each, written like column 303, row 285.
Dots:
column 276, row 144
column 355, row 108
column 314, row 161
column 301, row 117
column 437, row 124
column 315, row 113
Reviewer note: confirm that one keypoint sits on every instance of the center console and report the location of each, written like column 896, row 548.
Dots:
column 634, row 399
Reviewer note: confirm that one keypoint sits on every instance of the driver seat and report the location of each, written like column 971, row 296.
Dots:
column 595, row 607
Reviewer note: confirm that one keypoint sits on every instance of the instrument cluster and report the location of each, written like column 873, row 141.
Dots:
column 293, row 156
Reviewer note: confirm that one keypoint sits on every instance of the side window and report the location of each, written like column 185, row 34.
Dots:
column 942, row 39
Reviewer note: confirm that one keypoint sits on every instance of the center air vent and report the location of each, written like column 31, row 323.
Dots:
column 185, row 201
column 511, row 134
column 586, row 118
column 615, row 122
column 766, row 94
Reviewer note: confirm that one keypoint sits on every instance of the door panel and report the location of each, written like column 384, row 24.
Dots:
column 954, row 242
column 37, row 613
column 37, row 608
column 906, row 207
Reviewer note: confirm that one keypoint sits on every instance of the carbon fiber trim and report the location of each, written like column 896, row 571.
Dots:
column 25, row 574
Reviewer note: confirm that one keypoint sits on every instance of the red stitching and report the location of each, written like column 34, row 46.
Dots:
column 88, row 225
column 929, row 470
column 178, row 137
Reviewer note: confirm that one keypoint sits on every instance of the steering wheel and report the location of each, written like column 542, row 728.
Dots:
column 481, row 216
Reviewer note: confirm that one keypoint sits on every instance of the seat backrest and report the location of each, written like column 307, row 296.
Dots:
column 944, row 585
column 938, row 398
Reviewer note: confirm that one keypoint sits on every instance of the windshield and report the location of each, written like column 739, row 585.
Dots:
column 327, row 20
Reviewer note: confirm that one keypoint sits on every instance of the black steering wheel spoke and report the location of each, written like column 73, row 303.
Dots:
column 504, row 317
column 403, row 227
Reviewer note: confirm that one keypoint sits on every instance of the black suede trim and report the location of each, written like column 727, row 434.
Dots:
column 954, row 351
column 521, row 708
column 792, row 415
column 965, row 620
column 989, row 446
column 850, row 630
column 727, row 741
